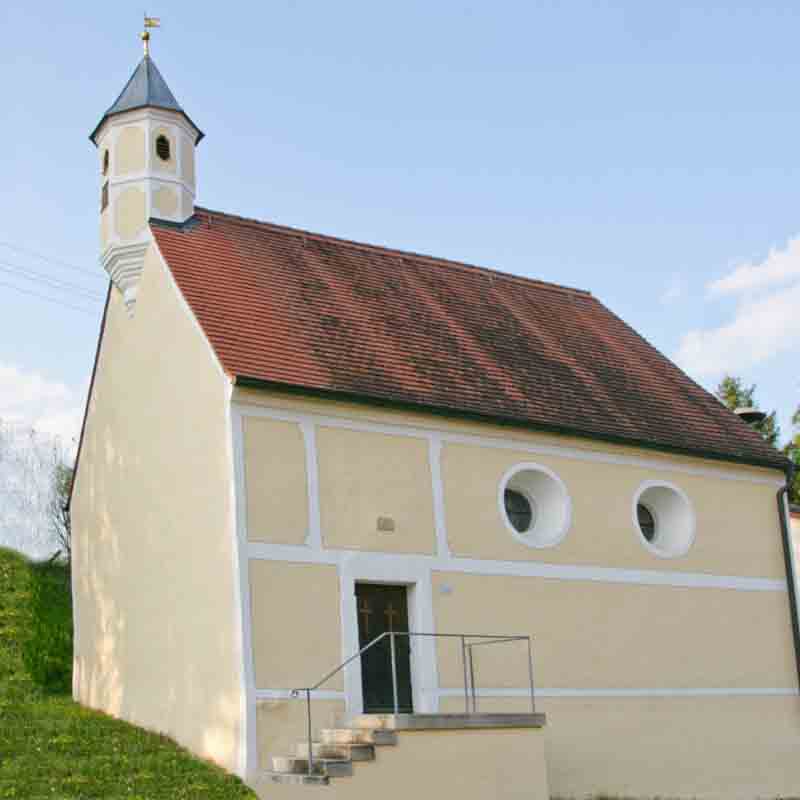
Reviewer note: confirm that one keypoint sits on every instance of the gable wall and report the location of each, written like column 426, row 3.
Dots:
column 635, row 648
column 153, row 544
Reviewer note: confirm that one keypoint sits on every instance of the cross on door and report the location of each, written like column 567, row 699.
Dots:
column 390, row 613
column 364, row 610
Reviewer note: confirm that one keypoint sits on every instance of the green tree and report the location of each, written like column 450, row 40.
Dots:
column 59, row 515
column 734, row 394
column 792, row 450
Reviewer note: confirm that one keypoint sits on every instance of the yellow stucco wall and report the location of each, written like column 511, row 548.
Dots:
column 465, row 764
column 187, row 203
column 165, row 201
column 714, row 748
column 276, row 480
column 296, row 624
column 422, row 421
column 593, row 635
column 187, row 160
column 736, row 521
column 153, row 549
column 130, row 211
column 363, row 476
column 128, row 154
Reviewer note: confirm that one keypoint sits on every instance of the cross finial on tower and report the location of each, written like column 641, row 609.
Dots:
column 149, row 22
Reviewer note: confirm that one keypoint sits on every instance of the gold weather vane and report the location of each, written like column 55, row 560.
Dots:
column 149, row 22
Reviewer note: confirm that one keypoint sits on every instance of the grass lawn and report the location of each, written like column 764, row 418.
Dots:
column 51, row 747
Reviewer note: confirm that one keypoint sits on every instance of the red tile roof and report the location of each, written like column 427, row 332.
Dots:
column 296, row 309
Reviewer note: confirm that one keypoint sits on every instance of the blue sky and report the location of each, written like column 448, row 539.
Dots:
column 647, row 152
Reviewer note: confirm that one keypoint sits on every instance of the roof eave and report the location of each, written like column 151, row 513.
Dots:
column 199, row 135
column 779, row 463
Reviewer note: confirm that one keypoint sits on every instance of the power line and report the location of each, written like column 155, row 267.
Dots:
column 49, row 259
column 48, row 299
column 53, row 283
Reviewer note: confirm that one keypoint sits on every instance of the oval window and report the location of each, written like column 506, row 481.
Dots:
column 519, row 510
column 647, row 522
column 534, row 505
column 163, row 148
column 663, row 519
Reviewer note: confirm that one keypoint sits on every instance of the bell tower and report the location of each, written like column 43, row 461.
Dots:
column 146, row 162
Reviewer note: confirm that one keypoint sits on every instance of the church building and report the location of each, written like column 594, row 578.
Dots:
column 356, row 522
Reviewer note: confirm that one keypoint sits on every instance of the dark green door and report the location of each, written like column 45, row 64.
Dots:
column 384, row 608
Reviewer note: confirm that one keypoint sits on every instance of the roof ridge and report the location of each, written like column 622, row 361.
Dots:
column 489, row 272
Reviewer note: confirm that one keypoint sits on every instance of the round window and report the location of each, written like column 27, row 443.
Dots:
column 647, row 522
column 163, row 148
column 664, row 519
column 520, row 510
column 534, row 505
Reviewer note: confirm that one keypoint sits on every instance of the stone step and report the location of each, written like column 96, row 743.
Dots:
column 298, row 765
column 301, row 780
column 430, row 722
column 342, row 752
column 356, row 736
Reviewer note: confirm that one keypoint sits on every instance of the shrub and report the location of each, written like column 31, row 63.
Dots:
column 47, row 647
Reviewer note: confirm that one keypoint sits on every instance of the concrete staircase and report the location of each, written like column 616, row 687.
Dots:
column 358, row 737
column 332, row 756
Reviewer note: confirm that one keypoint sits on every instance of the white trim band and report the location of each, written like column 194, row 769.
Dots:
column 665, row 464
column 524, row 569
column 705, row 692
column 286, row 694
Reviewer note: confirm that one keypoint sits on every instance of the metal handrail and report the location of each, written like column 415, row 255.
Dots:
column 467, row 660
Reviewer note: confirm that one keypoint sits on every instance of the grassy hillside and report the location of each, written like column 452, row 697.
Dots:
column 51, row 747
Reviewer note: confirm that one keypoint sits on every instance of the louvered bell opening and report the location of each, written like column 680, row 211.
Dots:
column 163, row 148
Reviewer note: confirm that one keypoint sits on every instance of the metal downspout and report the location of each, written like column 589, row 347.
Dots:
column 791, row 566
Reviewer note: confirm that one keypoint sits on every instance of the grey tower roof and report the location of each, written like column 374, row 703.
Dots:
column 146, row 88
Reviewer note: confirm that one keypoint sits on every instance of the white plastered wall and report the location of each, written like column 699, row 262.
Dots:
column 155, row 558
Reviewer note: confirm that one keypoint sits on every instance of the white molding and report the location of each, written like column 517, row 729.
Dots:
column 439, row 514
column 286, row 694
column 402, row 570
column 144, row 115
column 139, row 177
column 588, row 693
column 124, row 264
column 248, row 752
column 665, row 465
column 522, row 693
column 314, row 537
column 523, row 569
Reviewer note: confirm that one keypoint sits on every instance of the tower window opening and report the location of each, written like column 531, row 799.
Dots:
column 163, row 148
column 105, row 162
column 104, row 197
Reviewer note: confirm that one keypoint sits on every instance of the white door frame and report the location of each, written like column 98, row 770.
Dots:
column 362, row 568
